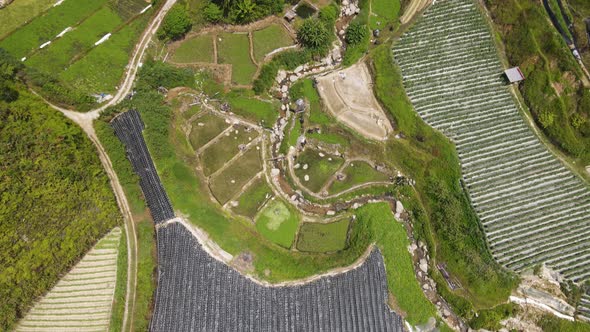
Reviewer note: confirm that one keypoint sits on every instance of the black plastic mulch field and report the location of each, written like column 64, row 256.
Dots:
column 128, row 128
column 198, row 293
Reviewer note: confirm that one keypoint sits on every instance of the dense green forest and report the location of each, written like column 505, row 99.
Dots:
column 553, row 90
column 55, row 199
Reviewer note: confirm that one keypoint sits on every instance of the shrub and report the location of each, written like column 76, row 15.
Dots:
column 314, row 35
column 176, row 23
column 356, row 33
column 212, row 13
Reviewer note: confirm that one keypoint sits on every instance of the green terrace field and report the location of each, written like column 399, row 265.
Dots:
column 205, row 128
column 228, row 182
column 268, row 39
column 317, row 169
column 233, row 49
column 355, row 173
column 195, row 49
column 73, row 28
column 253, row 198
column 225, row 148
column 316, row 237
column 278, row 222
column 246, row 105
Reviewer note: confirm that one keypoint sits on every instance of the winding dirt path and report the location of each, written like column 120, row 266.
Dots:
column 85, row 121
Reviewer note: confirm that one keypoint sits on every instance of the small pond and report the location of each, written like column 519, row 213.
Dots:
column 304, row 10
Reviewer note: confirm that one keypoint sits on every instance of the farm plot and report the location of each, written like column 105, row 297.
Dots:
column 244, row 104
column 233, row 48
column 253, row 198
column 278, row 222
column 314, row 168
column 229, row 181
column 269, row 39
column 532, row 208
column 82, row 299
column 225, row 148
column 197, row 49
column 205, row 128
column 68, row 34
column 316, row 237
column 199, row 293
column 356, row 173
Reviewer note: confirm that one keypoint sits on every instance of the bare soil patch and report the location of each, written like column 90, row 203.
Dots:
column 349, row 96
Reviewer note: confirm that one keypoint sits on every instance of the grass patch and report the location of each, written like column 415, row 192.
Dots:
column 246, row 105
column 278, row 222
column 230, row 181
column 319, row 169
column 383, row 12
column 305, row 89
column 268, row 39
column 357, row 172
column 196, row 49
column 146, row 273
column 20, row 12
column 212, row 125
column 315, row 237
column 253, row 198
column 216, row 155
column 233, row 48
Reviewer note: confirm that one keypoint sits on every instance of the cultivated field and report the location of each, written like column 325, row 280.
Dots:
column 314, row 168
column 348, row 96
column 316, row 237
column 62, row 41
column 195, row 50
column 269, row 39
column 82, row 299
column 533, row 209
column 278, row 222
column 355, row 173
column 233, row 49
column 198, row 293
column 20, row 12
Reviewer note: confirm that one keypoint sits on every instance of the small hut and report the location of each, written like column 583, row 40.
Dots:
column 514, row 75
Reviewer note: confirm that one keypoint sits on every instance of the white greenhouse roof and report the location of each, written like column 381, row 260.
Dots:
column 514, row 75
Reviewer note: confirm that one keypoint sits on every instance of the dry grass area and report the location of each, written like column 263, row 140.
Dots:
column 349, row 96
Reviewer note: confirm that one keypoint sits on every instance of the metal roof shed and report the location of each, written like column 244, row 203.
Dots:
column 514, row 74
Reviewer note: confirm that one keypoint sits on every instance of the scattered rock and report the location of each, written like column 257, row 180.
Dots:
column 234, row 204
column 423, row 265
column 275, row 172
column 306, row 178
column 297, row 166
column 321, row 155
column 200, row 124
column 293, row 78
column 446, row 312
column 305, row 166
column 330, row 213
column 233, row 181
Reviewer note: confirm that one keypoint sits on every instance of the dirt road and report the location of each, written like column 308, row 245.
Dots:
column 85, row 121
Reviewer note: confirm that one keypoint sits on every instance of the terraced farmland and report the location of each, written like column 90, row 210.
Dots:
column 82, row 299
column 533, row 209
column 198, row 293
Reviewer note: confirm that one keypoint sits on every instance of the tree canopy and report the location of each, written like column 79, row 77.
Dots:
column 176, row 23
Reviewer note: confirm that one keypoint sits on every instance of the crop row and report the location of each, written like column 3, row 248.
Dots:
column 584, row 307
column 82, row 299
column 198, row 293
column 533, row 209
column 128, row 128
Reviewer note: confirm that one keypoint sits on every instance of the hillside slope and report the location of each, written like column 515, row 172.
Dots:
column 55, row 199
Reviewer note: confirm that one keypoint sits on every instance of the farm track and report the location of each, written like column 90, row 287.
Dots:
column 82, row 300
column 85, row 120
column 518, row 188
